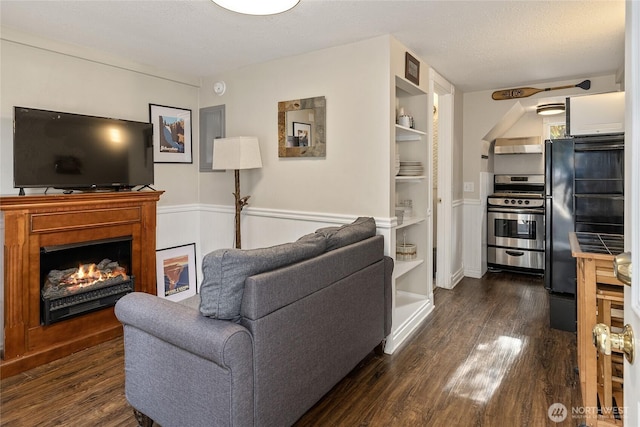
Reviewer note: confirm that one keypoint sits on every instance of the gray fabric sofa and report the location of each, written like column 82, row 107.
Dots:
column 302, row 328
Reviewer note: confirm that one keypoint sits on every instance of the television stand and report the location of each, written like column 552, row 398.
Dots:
column 146, row 186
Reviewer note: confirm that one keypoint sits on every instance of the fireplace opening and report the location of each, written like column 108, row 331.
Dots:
column 80, row 278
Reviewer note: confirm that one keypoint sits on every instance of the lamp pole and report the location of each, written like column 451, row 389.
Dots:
column 241, row 202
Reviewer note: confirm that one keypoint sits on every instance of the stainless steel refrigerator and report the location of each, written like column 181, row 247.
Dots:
column 560, row 266
column 584, row 191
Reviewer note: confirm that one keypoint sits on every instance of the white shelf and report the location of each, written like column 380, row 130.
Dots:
column 404, row 133
column 403, row 267
column 408, row 87
column 410, row 310
column 407, row 303
column 409, row 222
column 403, row 178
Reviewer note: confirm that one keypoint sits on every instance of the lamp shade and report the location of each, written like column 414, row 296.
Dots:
column 550, row 109
column 257, row 7
column 239, row 152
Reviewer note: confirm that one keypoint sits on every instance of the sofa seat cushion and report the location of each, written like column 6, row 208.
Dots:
column 360, row 229
column 225, row 271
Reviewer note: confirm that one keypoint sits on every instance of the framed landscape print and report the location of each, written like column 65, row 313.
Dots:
column 176, row 272
column 171, row 134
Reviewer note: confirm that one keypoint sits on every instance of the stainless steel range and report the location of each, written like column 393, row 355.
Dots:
column 515, row 224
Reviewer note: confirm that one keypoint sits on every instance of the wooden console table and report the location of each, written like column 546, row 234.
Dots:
column 34, row 221
column 597, row 287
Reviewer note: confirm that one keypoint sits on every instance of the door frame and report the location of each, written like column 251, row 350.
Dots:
column 444, row 209
column 632, row 201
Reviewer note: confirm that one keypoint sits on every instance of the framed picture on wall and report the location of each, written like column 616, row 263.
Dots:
column 171, row 134
column 176, row 272
column 411, row 68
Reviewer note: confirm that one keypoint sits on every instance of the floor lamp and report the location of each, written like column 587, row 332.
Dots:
column 235, row 153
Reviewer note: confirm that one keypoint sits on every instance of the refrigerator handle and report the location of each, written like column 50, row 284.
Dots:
column 548, row 167
column 548, row 208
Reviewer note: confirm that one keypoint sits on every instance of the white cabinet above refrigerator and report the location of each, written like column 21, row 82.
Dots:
column 599, row 114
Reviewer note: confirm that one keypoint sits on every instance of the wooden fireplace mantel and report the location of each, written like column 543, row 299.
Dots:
column 35, row 221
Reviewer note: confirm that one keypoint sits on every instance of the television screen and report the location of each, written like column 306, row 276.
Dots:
column 74, row 151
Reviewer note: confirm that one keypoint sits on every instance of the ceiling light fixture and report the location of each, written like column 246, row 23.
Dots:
column 550, row 109
column 257, row 7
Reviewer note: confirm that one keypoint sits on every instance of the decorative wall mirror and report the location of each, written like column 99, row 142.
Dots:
column 302, row 127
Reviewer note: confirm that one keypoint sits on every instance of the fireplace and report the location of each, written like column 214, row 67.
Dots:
column 81, row 278
column 55, row 227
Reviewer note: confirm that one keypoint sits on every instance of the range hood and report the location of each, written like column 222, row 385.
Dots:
column 523, row 145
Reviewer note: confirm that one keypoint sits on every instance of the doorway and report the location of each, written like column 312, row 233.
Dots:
column 434, row 185
column 444, row 224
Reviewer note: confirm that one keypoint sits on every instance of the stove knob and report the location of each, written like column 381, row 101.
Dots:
column 526, row 202
column 513, row 202
column 506, row 201
column 519, row 202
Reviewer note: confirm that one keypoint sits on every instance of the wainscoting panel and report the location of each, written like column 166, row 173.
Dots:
column 458, row 242
column 473, row 224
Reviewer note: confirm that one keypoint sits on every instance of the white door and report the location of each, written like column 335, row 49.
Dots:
column 632, row 206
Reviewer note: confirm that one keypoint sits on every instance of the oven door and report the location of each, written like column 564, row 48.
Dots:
column 515, row 228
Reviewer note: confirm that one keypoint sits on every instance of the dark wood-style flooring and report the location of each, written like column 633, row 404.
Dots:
column 485, row 357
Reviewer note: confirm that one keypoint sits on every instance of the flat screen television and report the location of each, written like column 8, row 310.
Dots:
column 78, row 152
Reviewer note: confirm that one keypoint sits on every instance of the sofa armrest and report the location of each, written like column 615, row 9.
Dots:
column 183, row 327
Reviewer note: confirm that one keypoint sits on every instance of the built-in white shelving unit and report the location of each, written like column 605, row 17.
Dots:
column 412, row 293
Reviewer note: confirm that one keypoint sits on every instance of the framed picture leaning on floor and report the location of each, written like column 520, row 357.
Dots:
column 176, row 272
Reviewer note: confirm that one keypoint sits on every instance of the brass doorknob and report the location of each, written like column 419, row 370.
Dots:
column 604, row 340
column 622, row 267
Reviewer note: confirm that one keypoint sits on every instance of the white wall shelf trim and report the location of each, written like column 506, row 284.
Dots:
column 381, row 223
column 162, row 210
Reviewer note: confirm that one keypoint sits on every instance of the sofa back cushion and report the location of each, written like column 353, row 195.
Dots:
column 337, row 237
column 225, row 271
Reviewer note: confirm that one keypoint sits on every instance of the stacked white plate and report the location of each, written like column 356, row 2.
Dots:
column 411, row 169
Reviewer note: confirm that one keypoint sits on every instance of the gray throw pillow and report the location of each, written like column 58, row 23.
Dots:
column 360, row 229
column 225, row 271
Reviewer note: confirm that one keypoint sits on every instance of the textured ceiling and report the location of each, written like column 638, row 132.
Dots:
column 476, row 45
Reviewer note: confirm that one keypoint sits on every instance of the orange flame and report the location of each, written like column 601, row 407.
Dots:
column 88, row 276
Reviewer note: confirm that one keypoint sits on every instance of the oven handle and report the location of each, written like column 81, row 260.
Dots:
column 517, row 210
column 514, row 253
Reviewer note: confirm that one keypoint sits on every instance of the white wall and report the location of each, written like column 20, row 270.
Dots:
column 353, row 179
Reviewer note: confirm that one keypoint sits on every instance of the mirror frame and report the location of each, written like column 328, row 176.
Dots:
column 318, row 146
